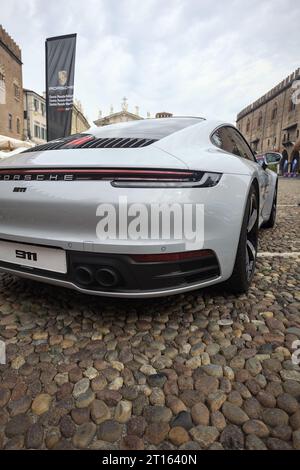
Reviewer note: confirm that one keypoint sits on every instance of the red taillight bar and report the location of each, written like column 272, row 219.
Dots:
column 161, row 257
column 104, row 171
column 79, row 141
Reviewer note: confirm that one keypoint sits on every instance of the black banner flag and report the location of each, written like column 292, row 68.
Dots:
column 60, row 64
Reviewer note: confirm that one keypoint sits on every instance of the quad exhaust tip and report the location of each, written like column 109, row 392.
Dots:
column 84, row 275
column 105, row 277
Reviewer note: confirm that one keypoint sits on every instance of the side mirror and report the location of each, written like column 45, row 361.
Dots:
column 272, row 158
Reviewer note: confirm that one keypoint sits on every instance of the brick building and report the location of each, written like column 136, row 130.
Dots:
column 273, row 122
column 11, row 87
column 163, row 114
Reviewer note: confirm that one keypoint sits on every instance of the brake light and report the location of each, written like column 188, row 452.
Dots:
column 79, row 141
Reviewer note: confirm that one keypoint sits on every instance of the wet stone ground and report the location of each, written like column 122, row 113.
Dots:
column 204, row 370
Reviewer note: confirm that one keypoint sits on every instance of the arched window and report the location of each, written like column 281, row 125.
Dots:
column 259, row 121
column 274, row 112
column 2, row 85
column 2, row 74
column 248, row 126
column 292, row 105
column 17, row 89
column 10, row 120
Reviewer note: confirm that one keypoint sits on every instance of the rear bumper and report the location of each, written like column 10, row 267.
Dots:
column 120, row 276
column 61, row 216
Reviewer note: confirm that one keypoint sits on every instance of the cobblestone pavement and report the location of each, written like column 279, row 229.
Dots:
column 195, row 371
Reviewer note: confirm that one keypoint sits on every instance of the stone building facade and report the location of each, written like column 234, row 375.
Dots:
column 121, row 116
column 11, row 87
column 79, row 121
column 114, row 118
column 35, row 126
column 273, row 122
column 35, row 121
column 124, row 115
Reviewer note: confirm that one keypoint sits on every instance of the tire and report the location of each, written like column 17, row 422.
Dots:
column 271, row 221
column 244, row 265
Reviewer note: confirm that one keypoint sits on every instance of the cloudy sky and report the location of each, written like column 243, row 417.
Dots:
column 190, row 57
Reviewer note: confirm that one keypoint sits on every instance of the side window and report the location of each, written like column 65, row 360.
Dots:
column 229, row 139
column 224, row 139
column 244, row 150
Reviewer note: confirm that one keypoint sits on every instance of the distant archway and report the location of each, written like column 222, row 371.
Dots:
column 295, row 163
column 284, row 164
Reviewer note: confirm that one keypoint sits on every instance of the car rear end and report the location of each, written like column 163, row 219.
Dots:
column 49, row 214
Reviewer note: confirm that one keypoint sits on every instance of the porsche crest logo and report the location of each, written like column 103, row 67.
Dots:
column 62, row 77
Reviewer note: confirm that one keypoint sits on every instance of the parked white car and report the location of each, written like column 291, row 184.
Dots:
column 50, row 197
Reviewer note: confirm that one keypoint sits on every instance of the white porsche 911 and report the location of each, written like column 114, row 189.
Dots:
column 57, row 203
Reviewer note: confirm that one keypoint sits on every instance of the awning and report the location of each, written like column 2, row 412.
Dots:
column 290, row 126
column 8, row 143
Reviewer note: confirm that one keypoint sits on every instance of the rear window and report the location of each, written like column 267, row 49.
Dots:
column 131, row 134
column 145, row 128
